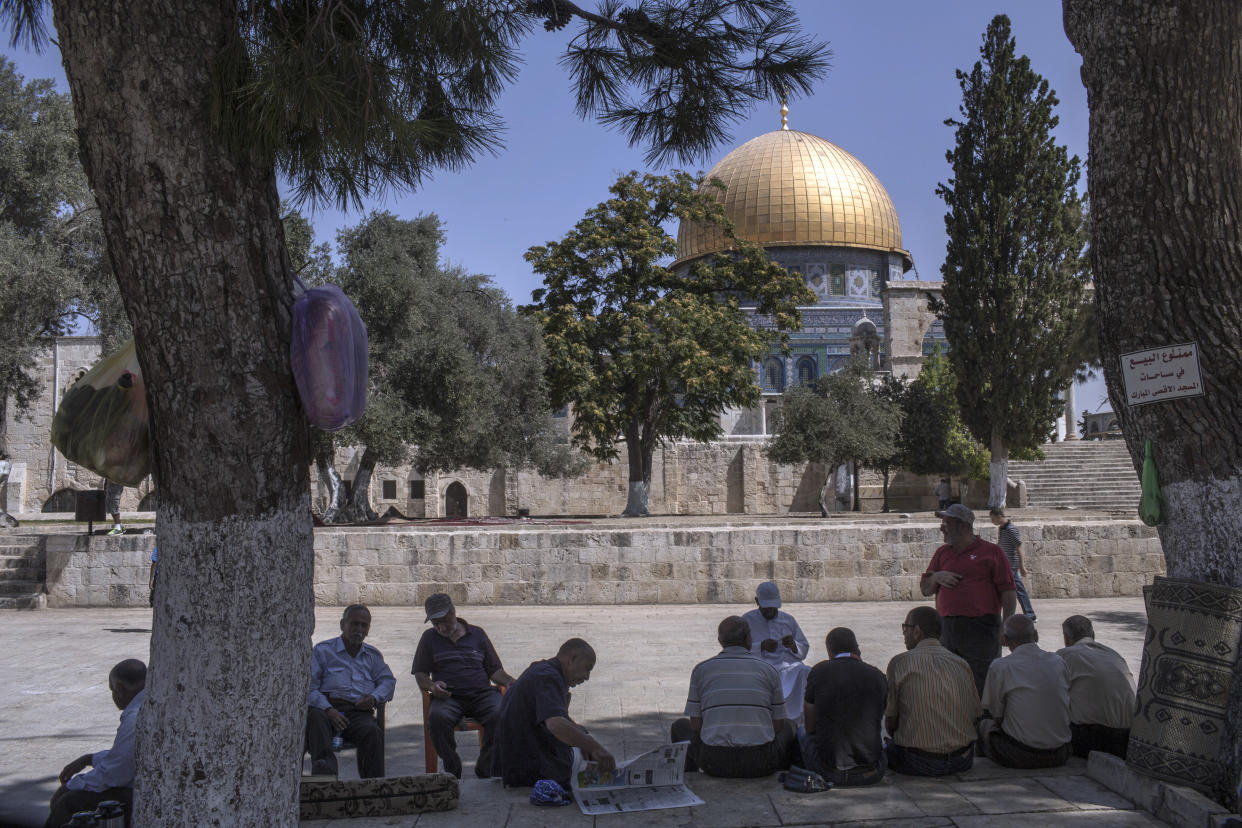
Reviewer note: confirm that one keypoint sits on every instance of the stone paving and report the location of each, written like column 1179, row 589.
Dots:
column 54, row 665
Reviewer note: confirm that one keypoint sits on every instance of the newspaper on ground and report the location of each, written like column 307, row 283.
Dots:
column 654, row 780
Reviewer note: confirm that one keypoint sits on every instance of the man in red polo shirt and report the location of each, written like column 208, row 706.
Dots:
column 974, row 589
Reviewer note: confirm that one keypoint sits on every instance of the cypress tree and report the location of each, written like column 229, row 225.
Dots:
column 1014, row 270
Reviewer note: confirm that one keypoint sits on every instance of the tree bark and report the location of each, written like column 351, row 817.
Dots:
column 331, row 478
column 998, row 472
column 639, row 455
column 359, row 510
column 1164, row 85
column 196, row 244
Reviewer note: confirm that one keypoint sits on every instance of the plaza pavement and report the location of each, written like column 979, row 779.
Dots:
column 54, row 665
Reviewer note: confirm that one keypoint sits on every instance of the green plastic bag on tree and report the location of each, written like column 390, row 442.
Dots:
column 102, row 423
column 1151, row 503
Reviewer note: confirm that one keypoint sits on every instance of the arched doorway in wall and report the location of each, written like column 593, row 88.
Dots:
column 150, row 502
column 64, row 500
column 455, row 505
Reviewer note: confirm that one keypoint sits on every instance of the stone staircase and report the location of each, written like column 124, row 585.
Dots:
column 22, row 572
column 1083, row 474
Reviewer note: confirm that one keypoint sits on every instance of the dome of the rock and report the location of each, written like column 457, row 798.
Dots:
column 790, row 188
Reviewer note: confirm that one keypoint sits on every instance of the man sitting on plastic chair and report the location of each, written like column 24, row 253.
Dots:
column 349, row 679
column 457, row 664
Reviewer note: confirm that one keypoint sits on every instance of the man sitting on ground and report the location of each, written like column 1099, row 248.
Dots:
column 844, row 706
column 776, row 638
column 1101, row 691
column 456, row 663
column 932, row 703
column 111, row 774
column 349, row 680
column 534, row 733
column 737, row 726
column 1026, row 721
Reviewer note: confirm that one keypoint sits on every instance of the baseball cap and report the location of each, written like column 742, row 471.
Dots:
column 958, row 512
column 768, row 594
column 437, row 606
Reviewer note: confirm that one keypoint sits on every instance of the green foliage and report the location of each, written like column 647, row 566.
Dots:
column 934, row 440
column 1014, row 271
column 456, row 373
column 52, row 261
column 844, row 417
column 644, row 354
column 352, row 98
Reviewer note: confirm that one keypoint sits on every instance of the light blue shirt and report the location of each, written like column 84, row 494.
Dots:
column 335, row 673
column 114, row 767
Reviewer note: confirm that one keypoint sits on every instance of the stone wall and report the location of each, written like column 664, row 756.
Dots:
column 652, row 562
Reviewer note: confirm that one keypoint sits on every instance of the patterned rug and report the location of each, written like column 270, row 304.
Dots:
column 1193, row 636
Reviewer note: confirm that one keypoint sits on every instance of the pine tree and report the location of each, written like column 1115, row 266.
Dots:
column 1014, row 271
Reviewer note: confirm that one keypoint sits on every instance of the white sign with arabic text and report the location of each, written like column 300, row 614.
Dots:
column 1162, row 374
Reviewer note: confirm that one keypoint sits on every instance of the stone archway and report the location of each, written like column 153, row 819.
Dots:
column 456, row 503
column 64, row 500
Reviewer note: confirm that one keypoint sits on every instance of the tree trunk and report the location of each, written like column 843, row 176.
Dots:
column 830, row 485
column 331, row 478
column 1071, row 426
column 998, row 472
column 885, row 507
column 1164, row 84
column 359, row 510
column 857, row 505
column 195, row 239
column 636, row 504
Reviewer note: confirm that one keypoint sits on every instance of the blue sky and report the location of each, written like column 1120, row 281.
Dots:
column 885, row 99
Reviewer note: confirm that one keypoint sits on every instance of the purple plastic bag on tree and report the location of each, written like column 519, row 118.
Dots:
column 329, row 356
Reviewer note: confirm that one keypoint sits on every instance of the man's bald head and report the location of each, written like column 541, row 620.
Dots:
column 1019, row 630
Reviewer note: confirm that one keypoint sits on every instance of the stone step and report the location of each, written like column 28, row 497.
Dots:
column 19, row 573
column 32, row 601
column 14, row 588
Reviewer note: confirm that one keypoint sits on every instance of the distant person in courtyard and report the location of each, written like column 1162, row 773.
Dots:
column 932, row 703
column 1026, row 713
column 457, row 665
column 844, row 709
column 974, row 591
column 735, row 709
column 1010, row 542
column 112, row 498
column 6, row 469
column 349, row 680
column 111, row 774
column 1102, row 691
column 943, row 493
column 776, row 638
column 534, row 733
column 151, row 577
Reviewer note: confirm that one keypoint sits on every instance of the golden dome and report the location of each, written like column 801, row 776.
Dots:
column 788, row 188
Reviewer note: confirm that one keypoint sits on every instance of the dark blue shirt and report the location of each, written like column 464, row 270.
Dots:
column 466, row 664
column 526, row 751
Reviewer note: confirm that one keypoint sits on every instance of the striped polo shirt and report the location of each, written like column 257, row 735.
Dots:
column 737, row 695
column 1009, row 540
column 932, row 693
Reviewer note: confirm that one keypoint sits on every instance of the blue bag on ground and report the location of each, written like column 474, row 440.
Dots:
column 329, row 356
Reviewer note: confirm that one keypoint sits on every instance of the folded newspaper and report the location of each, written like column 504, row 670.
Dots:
column 654, row 780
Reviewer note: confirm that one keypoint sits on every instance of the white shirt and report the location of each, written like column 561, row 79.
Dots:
column 1029, row 691
column 114, row 767
column 1101, row 685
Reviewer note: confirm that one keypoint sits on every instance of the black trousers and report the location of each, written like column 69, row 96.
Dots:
column 974, row 638
column 1008, row 752
column 744, row 762
column 66, row 803
column 1089, row 737
column 363, row 731
column 444, row 715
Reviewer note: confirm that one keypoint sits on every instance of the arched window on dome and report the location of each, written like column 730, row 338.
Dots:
column 773, row 379
column 808, row 370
